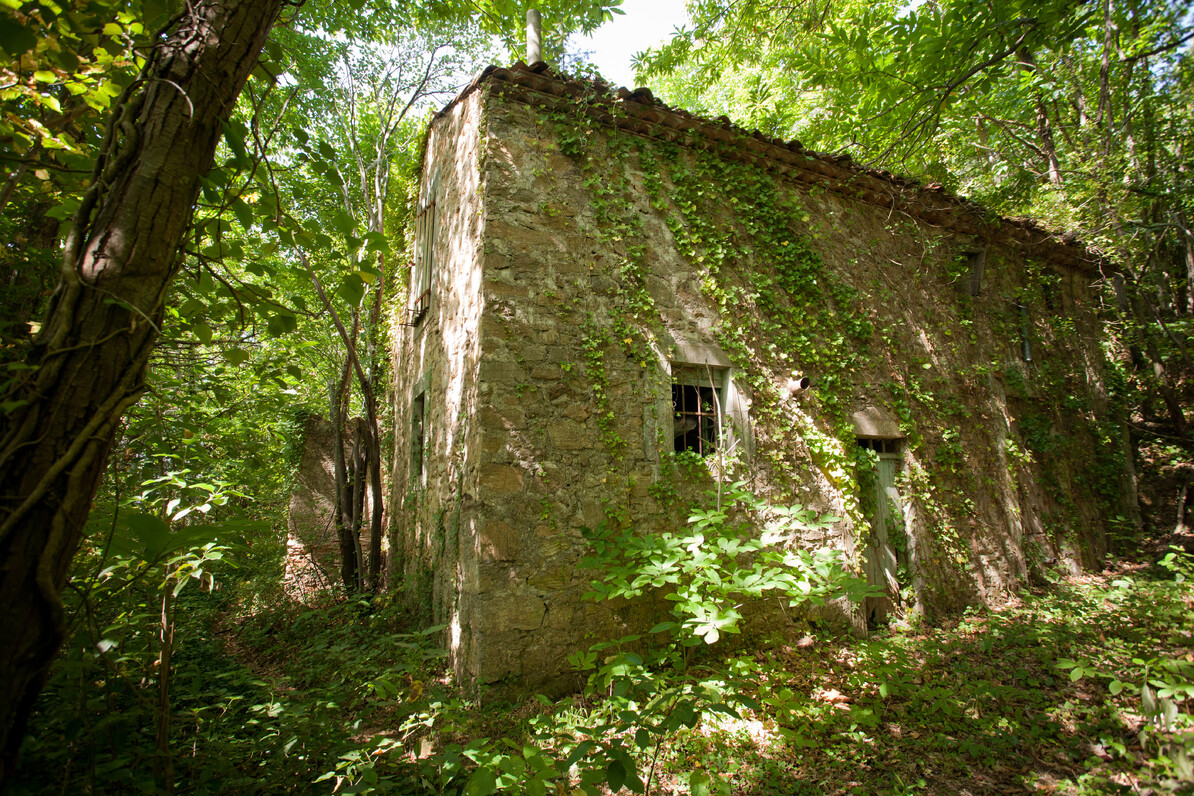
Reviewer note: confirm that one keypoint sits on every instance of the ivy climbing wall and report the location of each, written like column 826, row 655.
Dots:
column 614, row 247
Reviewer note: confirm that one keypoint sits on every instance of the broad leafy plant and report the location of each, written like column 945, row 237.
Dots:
column 646, row 688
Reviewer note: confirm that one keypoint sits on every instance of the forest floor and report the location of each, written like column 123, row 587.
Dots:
column 1084, row 685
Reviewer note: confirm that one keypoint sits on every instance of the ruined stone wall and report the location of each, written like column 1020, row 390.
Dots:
column 609, row 260
column 312, row 547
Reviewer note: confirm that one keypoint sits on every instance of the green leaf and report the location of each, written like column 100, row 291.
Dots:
column 615, row 775
column 235, row 138
column 216, row 251
column 281, row 323
column 686, row 715
column 244, row 213
column 352, row 289
column 698, row 783
column 202, row 331
column 481, row 783
column 236, row 356
column 191, row 306
column 65, row 210
column 15, row 38
column 376, row 242
column 150, row 532
column 342, row 222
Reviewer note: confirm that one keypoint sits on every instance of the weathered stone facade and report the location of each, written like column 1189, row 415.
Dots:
column 590, row 257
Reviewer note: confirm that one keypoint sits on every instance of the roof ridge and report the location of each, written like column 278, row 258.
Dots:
column 644, row 114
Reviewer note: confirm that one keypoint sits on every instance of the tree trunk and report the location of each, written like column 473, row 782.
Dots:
column 348, row 556
column 87, row 365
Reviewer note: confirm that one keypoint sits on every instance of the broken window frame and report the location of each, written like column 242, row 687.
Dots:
column 701, row 390
column 420, row 282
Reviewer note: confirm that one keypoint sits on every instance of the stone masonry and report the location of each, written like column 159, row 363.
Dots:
column 534, row 396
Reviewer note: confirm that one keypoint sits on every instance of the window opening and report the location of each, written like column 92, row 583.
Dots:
column 1050, row 291
column 1025, row 341
column 976, row 263
column 420, row 283
column 880, row 445
column 418, row 441
column 698, row 403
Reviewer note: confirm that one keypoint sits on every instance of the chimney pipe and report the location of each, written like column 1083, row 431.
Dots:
column 534, row 36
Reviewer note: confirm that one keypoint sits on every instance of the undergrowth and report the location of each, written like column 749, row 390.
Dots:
column 1085, row 687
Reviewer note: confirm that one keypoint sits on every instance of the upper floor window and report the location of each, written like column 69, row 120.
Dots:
column 976, row 263
column 420, row 278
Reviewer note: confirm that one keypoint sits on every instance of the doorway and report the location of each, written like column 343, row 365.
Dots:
column 886, row 553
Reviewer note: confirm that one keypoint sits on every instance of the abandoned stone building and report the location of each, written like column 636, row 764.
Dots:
column 613, row 302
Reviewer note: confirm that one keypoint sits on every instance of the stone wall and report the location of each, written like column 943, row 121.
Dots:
column 590, row 263
column 433, row 529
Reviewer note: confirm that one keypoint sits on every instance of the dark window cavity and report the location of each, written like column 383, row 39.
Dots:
column 1025, row 331
column 880, row 445
column 698, row 406
column 418, row 441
